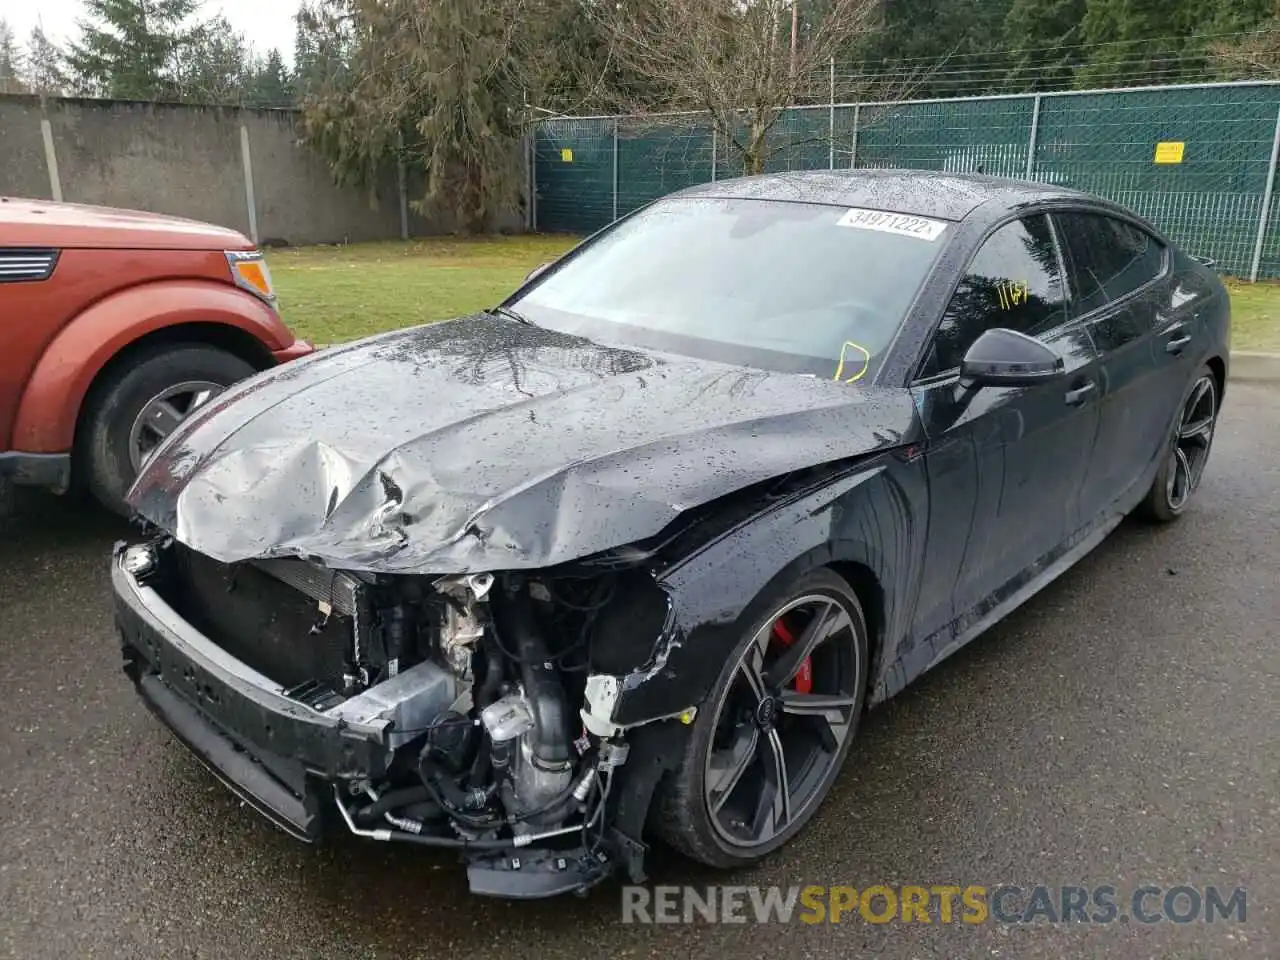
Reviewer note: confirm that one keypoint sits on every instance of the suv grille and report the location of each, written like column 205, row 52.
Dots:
column 26, row 265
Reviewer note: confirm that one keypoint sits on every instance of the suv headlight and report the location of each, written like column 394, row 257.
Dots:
column 249, row 270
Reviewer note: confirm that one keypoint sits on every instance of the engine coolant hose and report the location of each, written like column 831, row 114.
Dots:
column 420, row 839
column 391, row 800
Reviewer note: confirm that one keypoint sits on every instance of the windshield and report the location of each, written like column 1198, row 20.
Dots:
column 796, row 287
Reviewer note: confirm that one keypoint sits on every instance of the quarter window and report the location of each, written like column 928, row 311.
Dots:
column 1109, row 258
column 1014, row 281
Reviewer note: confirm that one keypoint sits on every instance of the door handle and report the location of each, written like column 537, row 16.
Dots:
column 1178, row 343
column 1078, row 395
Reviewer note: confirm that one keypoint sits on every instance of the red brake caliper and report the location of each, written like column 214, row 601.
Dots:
column 803, row 682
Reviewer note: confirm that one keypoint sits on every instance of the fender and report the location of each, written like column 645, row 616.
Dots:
column 50, row 403
column 865, row 518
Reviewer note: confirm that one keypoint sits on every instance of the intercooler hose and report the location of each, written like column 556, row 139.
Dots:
column 491, row 686
column 551, row 738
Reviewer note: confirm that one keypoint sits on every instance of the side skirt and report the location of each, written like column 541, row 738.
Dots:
column 915, row 665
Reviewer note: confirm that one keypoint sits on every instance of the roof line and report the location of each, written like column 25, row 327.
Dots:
column 692, row 192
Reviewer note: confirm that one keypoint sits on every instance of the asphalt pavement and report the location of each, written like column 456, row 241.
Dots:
column 1121, row 728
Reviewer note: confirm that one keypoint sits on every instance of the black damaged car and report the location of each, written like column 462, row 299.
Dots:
column 627, row 556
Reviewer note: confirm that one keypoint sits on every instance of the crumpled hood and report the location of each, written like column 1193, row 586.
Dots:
column 485, row 444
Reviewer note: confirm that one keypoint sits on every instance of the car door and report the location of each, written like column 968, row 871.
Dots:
column 1120, row 282
column 1004, row 463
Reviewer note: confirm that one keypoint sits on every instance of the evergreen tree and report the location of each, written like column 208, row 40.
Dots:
column 131, row 49
column 322, row 46
column 1042, row 39
column 939, row 47
column 215, row 65
column 440, row 86
column 581, row 72
column 1144, row 41
column 270, row 84
column 304, row 52
column 46, row 66
column 10, row 61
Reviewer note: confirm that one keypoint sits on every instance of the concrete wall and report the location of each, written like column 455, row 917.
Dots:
column 189, row 161
column 297, row 196
column 23, row 171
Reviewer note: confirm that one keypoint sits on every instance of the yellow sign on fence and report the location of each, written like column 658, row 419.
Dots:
column 566, row 155
column 1170, row 151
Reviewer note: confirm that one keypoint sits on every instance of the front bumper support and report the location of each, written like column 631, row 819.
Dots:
column 296, row 814
column 269, row 749
column 284, row 759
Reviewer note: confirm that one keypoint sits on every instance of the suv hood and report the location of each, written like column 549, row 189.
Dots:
column 486, row 444
column 43, row 223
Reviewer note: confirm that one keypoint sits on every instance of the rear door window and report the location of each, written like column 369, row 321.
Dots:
column 1109, row 258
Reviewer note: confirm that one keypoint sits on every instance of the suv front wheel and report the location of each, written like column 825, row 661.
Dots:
column 137, row 405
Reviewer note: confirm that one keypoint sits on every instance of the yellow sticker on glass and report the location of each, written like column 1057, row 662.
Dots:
column 566, row 155
column 858, row 363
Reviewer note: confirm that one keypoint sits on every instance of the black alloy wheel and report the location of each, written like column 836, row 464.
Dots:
column 772, row 736
column 1188, row 452
column 1191, row 445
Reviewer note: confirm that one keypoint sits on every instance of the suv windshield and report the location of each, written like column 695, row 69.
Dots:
column 795, row 287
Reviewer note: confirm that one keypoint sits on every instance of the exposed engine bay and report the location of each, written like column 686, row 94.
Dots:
column 485, row 699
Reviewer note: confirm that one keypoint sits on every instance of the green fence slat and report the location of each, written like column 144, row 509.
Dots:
column 1102, row 143
column 1210, row 202
column 973, row 136
column 657, row 157
column 573, row 167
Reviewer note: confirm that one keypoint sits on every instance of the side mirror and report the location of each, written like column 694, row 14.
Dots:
column 1007, row 358
column 538, row 270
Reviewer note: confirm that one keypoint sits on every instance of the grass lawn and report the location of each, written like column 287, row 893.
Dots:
column 1255, row 316
column 330, row 294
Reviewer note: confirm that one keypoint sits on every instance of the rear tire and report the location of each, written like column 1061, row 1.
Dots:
column 721, row 807
column 1186, row 454
column 171, row 380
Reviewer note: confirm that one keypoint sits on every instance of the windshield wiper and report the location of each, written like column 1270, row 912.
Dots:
column 510, row 314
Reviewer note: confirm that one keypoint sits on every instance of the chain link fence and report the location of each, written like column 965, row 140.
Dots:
column 1211, row 194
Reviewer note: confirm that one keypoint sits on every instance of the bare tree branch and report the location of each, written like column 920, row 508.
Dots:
column 1255, row 56
column 733, row 60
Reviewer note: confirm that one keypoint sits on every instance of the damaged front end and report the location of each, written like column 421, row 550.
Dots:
column 472, row 713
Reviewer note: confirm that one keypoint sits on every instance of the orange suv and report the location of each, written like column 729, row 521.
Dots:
column 114, row 326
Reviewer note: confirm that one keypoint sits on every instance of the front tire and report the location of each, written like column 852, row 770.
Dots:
column 140, row 403
column 1188, row 452
column 773, row 732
